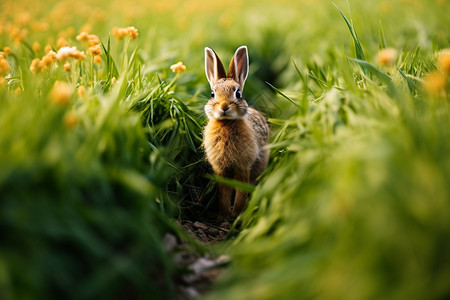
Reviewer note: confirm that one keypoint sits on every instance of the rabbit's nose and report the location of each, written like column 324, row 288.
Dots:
column 223, row 106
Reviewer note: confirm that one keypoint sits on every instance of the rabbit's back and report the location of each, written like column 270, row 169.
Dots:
column 261, row 136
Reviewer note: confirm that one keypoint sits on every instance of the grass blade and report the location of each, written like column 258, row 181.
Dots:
column 358, row 49
column 246, row 187
column 282, row 94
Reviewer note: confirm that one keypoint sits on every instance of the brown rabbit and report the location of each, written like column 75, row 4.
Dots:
column 236, row 134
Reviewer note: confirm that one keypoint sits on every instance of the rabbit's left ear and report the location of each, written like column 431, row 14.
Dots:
column 238, row 69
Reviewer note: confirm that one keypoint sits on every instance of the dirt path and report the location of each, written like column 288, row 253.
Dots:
column 197, row 271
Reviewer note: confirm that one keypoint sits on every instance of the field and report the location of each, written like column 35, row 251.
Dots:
column 101, row 148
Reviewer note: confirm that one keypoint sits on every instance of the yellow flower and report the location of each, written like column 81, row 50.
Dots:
column 444, row 61
column 81, row 91
column 70, row 119
column 66, row 66
column 97, row 59
column 93, row 40
column 120, row 33
column 435, row 83
column 113, row 80
column 387, row 56
column 48, row 48
column 65, row 52
column 132, row 32
column 49, row 58
column 60, row 93
column 4, row 66
column 36, row 47
column 83, row 36
column 61, row 42
column 178, row 67
column 35, row 66
column 95, row 50
column 7, row 50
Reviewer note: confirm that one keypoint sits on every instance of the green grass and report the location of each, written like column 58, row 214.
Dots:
column 353, row 205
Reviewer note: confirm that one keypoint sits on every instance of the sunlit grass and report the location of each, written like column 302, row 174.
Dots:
column 101, row 116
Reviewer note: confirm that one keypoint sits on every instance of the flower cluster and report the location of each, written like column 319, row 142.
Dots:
column 120, row 33
column 64, row 53
column 70, row 52
column 94, row 45
column 38, row 65
column 178, row 67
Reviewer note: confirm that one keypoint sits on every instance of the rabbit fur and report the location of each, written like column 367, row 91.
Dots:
column 236, row 134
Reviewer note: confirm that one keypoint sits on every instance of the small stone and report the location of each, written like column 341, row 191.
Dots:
column 169, row 242
column 200, row 226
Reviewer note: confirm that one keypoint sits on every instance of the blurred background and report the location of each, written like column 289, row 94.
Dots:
column 100, row 147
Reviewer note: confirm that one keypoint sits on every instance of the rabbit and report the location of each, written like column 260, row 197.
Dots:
column 235, row 135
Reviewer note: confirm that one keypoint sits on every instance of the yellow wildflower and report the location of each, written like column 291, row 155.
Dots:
column 97, row 59
column 444, row 61
column 66, row 66
column 387, row 56
column 95, row 50
column 132, row 32
column 113, row 80
column 435, row 83
column 93, row 40
column 4, row 66
column 61, row 42
column 120, row 33
column 65, row 52
column 81, row 91
column 60, row 93
column 178, row 67
column 48, row 48
column 70, row 119
column 7, row 50
column 36, row 47
column 83, row 36
column 35, row 66
column 49, row 58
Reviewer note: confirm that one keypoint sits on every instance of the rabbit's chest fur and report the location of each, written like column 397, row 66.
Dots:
column 230, row 144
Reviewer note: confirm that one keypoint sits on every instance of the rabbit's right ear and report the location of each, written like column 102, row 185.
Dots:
column 213, row 67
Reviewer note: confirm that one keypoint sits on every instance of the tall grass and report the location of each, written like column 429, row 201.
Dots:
column 354, row 203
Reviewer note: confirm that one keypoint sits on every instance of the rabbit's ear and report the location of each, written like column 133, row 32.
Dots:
column 239, row 66
column 213, row 67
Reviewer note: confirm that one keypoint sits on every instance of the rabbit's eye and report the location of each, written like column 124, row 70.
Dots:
column 213, row 94
column 238, row 94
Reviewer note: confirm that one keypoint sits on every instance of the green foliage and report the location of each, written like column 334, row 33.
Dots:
column 353, row 205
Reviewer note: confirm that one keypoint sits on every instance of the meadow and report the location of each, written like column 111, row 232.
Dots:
column 101, row 148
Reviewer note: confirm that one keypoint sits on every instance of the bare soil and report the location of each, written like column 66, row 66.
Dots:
column 197, row 271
